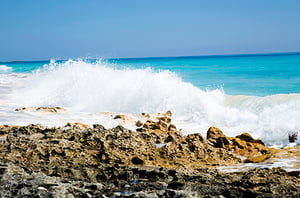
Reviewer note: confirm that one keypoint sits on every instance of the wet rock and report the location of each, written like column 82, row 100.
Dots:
column 137, row 161
column 160, row 123
column 43, row 109
column 248, row 138
column 293, row 136
column 119, row 117
column 244, row 145
column 126, row 119
column 139, row 123
column 77, row 125
column 273, row 155
column 146, row 115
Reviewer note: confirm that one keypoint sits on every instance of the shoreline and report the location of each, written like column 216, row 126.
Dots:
column 156, row 160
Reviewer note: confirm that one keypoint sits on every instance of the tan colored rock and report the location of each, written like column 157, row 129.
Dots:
column 272, row 155
column 214, row 133
column 43, row 109
column 159, row 116
column 257, row 158
column 146, row 115
column 248, row 138
column 36, row 136
column 244, row 144
column 11, row 126
column 172, row 128
column 96, row 146
column 127, row 119
column 160, row 123
column 77, row 124
column 119, row 116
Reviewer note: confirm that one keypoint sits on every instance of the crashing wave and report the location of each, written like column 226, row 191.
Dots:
column 101, row 87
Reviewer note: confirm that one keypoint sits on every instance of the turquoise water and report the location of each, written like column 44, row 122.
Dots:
column 257, row 75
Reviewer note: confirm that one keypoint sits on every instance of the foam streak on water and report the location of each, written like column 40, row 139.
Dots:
column 5, row 69
column 87, row 88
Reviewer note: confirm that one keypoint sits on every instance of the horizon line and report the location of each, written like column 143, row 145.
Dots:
column 166, row 57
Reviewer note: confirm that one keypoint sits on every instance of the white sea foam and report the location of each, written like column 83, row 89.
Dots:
column 87, row 88
column 5, row 69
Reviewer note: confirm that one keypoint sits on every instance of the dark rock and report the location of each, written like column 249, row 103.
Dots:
column 293, row 137
column 248, row 138
column 137, row 161
column 139, row 123
column 176, row 186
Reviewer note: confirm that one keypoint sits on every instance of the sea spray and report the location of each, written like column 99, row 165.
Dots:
column 5, row 69
column 85, row 87
column 97, row 87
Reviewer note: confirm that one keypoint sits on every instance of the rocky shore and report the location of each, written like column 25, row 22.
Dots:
column 156, row 160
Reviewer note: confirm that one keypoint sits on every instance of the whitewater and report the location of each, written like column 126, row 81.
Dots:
column 88, row 88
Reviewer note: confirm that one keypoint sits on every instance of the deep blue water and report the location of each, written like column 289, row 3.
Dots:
column 258, row 75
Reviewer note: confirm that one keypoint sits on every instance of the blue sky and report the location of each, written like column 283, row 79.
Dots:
column 45, row 29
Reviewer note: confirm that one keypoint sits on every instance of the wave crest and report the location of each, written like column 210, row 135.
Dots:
column 5, row 69
column 100, row 87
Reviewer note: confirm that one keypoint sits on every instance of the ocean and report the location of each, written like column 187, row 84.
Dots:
column 258, row 94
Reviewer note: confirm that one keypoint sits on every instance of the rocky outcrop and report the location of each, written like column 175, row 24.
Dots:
column 97, row 145
column 43, row 109
column 81, row 161
column 245, row 145
column 79, row 125
column 160, row 123
column 293, row 136
column 248, row 138
column 125, row 181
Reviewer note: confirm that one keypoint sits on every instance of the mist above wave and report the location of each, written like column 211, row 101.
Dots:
column 98, row 87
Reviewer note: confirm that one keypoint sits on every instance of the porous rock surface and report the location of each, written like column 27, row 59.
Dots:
column 77, row 161
column 130, row 181
column 245, row 145
column 97, row 145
